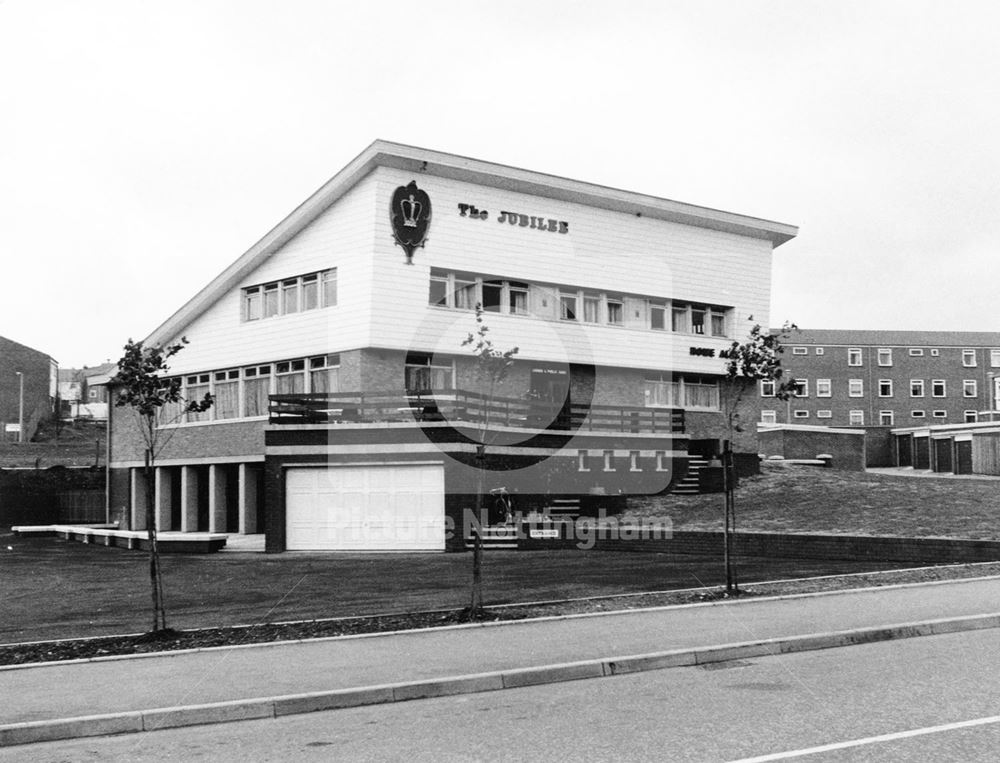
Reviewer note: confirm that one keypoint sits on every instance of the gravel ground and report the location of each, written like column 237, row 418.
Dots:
column 74, row 649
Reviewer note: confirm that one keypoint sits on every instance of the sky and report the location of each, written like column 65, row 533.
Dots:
column 145, row 146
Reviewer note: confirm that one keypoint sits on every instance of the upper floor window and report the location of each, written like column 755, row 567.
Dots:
column 824, row 388
column 885, row 357
column 517, row 298
column 679, row 319
column 994, row 358
column 768, row 417
column 290, row 295
column 886, row 418
column 938, row 388
column 971, row 417
column 855, row 387
column 969, row 388
column 567, row 307
column 800, row 388
column 767, row 388
column 854, row 356
column 591, row 308
column 969, row 358
column 916, row 352
column 856, row 418
column 616, row 312
column 800, row 351
column 916, row 387
column 492, row 296
column 697, row 320
column 657, row 317
column 885, row 387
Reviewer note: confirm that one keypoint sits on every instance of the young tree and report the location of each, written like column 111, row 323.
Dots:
column 155, row 401
column 492, row 366
column 747, row 364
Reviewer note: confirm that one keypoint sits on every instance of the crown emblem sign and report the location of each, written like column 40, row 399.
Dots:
column 411, row 211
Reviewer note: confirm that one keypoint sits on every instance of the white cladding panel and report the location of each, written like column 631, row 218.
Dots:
column 603, row 250
column 365, row 508
column 341, row 237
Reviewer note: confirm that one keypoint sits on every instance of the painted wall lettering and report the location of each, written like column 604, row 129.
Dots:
column 705, row 352
column 515, row 218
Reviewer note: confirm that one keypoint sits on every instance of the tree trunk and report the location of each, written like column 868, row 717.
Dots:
column 729, row 527
column 155, row 576
column 476, row 604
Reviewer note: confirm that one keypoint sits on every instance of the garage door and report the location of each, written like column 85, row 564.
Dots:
column 365, row 508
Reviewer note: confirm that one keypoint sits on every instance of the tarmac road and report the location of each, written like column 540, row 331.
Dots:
column 894, row 701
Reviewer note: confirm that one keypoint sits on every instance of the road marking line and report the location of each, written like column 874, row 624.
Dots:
column 872, row 740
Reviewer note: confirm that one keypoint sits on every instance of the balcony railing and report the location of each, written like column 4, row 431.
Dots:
column 460, row 406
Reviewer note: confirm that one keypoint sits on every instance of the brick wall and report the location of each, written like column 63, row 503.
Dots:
column 36, row 367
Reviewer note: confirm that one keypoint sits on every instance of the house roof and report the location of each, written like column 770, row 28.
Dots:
column 887, row 338
column 418, row 160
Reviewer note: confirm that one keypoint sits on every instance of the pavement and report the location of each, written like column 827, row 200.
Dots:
column 143, row 693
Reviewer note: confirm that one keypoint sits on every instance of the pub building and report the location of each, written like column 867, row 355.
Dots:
column 352, row 414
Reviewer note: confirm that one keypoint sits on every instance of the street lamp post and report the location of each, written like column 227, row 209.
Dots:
column 20, row 407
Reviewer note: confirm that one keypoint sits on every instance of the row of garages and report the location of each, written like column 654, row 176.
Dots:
column 955, row 449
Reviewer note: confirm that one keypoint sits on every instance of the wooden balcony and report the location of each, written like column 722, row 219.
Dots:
column 460, row 406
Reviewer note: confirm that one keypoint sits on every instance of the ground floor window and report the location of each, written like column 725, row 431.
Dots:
column 768, row 417
column 423, row 374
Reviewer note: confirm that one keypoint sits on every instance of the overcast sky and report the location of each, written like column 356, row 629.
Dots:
column 144, row 146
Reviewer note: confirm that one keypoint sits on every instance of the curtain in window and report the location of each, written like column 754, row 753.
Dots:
column 255, row 392
column 227, row 400
column 194, row 393
column 291, row 384
column 326, row 380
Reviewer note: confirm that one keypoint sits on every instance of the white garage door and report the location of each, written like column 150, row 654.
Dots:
column 365, row 508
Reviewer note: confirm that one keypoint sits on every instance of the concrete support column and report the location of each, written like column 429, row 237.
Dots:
column 189, row 499
column 164, row 496
column 137, row 520
column 248, row 498
column 216, row 499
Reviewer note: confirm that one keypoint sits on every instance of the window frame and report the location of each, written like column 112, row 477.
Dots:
column 855, row 354
column 824, row 388
column 917, row 388
column 884, row 384
column 943, row 384
column 968, row 384
column 859, row 384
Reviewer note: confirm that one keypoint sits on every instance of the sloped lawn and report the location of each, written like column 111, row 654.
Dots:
column 804, row 499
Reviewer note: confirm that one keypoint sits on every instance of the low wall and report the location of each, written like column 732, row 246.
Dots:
column 788, row 545
column 847, row 448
